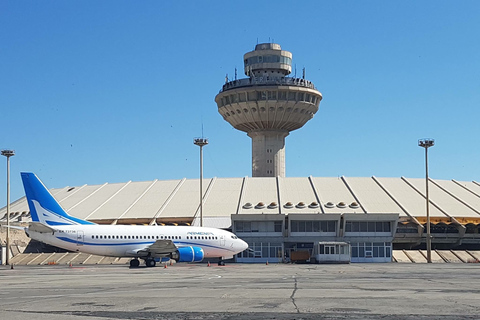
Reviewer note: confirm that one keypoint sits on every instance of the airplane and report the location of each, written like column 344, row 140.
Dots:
column 53, row 225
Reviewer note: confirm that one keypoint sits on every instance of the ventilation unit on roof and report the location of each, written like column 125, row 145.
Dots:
column 354, row 205
column 260, row 205
column 272, row 205
column 330, row 205
column 288, row 205
column 313, row 205
column 247, row 205
column 301, row 205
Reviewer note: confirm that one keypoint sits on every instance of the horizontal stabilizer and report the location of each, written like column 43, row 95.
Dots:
column 40, row 228
column 13, row 227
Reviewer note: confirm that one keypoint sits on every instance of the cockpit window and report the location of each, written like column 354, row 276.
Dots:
column 234, row 237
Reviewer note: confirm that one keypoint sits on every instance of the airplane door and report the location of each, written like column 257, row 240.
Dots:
column 80, row 235
column 222, row 240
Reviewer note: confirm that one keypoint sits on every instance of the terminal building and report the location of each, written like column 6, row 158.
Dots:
column 364, row 218
column 278, row 215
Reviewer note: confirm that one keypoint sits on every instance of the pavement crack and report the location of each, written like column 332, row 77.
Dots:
column 292, row 296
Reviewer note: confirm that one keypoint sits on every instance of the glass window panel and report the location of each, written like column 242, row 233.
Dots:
column 363, row 226
column 348, row 226
column 355, row 226
column 294, row 226
column 386, row 226
column 371, row 226
column 381, row 252
column 354, row 252
column 316, row 226
column 301, row 96
column 265, row 251
column 291, row 96
column 378, row 226
column 308, row 226
column 301, row 226
column 331, row 226
column 278, row 226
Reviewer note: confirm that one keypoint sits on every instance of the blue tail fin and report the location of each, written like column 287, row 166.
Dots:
column 43, row 206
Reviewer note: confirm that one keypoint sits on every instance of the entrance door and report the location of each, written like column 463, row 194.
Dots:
column 222, row 240
column 80, row 235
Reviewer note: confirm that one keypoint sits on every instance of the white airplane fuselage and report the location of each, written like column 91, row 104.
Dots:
column 127, row 240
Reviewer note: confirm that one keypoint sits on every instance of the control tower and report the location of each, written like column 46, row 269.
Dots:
column 268, row 105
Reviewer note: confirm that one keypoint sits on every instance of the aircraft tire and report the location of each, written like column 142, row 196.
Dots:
column 134, row 263
column 150, row 263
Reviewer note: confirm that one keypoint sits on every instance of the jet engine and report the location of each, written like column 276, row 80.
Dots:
column 188, row 254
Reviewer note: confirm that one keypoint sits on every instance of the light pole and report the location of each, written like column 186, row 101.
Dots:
column 8, row 154
column 427, row 143
column 201, row 142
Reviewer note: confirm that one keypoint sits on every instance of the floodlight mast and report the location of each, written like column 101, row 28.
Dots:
column 201, row 142
column 8, row 154
column 427, row 143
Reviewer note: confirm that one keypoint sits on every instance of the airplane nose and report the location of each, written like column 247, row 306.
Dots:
column 244, row 245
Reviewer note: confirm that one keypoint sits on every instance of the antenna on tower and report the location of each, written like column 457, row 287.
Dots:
column 226, row 78
column 235, row 73
column 303, row 73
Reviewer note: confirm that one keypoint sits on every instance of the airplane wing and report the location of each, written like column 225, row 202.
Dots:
column 159, row 248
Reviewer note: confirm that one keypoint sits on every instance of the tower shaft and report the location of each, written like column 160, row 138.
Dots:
column 268, row 153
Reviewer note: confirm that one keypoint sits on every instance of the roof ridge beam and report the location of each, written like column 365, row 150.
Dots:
column 91, row 194
column 455, row 197
column 111, row 197
column 433, row 203
column 162, row 207
column 204, row 196
column 464, row 187
column 353, row 194
column 316, row 193
column 396, row 201
column 240, row 196
column 134, row 202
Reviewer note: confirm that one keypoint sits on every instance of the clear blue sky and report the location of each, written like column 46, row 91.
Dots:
column 112, row 91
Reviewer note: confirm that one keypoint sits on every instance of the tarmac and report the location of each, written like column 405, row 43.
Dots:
column 241, row 291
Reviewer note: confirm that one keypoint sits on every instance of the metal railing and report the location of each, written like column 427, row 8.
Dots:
column 267, row 81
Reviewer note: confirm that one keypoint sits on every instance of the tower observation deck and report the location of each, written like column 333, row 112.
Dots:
column 268, row 105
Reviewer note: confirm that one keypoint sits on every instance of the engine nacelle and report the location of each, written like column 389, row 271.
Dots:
column 188, row 254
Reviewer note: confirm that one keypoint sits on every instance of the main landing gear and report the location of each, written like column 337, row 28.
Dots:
column 149, row 262
column 221, row 262
column 134, row 263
